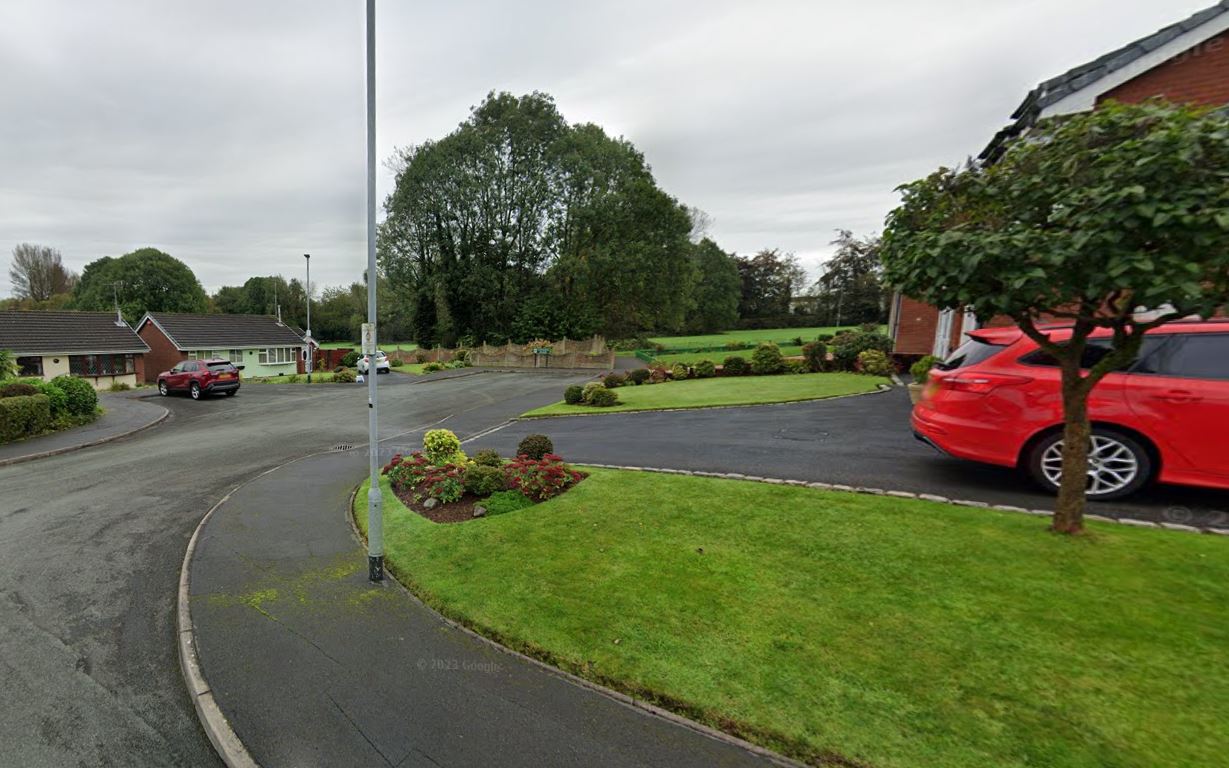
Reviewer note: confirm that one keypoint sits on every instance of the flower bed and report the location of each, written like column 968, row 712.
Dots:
column 445, row 486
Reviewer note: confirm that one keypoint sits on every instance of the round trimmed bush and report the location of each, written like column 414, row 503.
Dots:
column 483, row 480
column 604, row 398
column 875, row 363
column 17, row 389
column 350, row 359
column 679, row 372
column 441, row 447
column 80, row 397
column 735, row 366
column 345, row 375
column 574, row 395
column 848, row 345
column 767, row 360
column 920, row 371
column 488, row 457
column 536, row 446
column 613, row 380
column 589, row 389
column 638, row 376
column 704, row 369
column 815, row 356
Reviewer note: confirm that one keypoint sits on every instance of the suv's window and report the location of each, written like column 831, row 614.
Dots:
column 219, row 367
column 969, row 353
column 1191, row 355
column 188, row 366
column 1095, row 350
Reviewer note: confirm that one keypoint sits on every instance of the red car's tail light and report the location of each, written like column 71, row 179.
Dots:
column 981, row 383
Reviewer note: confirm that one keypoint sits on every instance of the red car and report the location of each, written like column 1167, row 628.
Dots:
column 1165, row 417
column 200, row 377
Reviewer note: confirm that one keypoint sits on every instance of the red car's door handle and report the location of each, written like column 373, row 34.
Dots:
column 1179, row 396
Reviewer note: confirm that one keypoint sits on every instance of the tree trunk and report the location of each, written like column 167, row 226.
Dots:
column 1077, row 433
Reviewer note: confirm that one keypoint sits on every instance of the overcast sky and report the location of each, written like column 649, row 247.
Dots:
column 230, row 133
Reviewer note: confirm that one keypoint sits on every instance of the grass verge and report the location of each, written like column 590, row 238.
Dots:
column 852, row 629
column 740, row 390
column 778, row 335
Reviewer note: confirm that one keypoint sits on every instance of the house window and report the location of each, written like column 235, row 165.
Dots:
column 101, row 365
column 277, row 355
column 235, row 356
column 30, row 366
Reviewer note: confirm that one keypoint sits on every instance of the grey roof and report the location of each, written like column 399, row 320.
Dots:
column 212, row 332
column 59, row 333
column 1078, row 78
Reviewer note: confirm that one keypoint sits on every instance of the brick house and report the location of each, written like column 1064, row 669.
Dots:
column 96, row 346
column 261, row 344
column 1187, row 62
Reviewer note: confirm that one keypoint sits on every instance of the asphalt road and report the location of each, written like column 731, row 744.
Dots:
column 91, row 544
column 857, row 441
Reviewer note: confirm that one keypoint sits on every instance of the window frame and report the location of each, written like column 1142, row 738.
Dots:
column 99, row 365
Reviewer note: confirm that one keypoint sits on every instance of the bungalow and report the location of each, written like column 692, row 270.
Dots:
column 262, row 344
column 1187, row 62
column 97, row 346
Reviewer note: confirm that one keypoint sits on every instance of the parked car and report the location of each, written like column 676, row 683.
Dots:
column 1164, row 417
column 200, row 377
column 381, row 363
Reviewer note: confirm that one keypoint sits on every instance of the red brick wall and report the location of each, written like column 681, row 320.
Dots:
column 915, row 327
column 162, row 353
column 1197, row 76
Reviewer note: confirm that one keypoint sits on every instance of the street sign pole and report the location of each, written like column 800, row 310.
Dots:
column 375, row 508
column 308, row 291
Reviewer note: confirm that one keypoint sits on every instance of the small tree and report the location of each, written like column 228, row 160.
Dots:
column 1089, row 220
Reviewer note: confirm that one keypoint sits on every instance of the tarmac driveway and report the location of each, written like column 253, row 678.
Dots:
column 858, row 441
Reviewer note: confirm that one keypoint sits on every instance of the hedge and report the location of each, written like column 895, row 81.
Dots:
column 23, row 416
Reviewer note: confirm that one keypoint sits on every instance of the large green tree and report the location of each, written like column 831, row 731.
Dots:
column 717, row 286
column 516, row 207
column 1088, row 219
column 769, row 280
column 145, row 280
column 850, row 290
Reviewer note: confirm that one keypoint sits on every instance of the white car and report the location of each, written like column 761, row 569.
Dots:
column 381, row 363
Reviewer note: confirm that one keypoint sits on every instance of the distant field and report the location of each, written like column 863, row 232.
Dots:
column 748, row 337
column 789, row 350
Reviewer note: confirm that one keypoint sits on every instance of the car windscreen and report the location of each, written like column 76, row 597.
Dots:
column 969, row 353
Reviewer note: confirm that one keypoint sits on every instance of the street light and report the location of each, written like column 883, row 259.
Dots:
column 375, row 509
column 308, row 291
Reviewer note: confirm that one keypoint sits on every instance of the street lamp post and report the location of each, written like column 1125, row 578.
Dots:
column 375, row 510
column 308, row 290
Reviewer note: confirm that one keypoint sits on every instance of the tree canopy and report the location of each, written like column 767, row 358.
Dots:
column 519, row 224
column 1088, row 219
column 145, row 280
column 850, row 290
column 770, row 280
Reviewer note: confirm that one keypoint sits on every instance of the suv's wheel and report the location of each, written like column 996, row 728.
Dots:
column 163, row 389
column 1117, row 464
column 196, row 391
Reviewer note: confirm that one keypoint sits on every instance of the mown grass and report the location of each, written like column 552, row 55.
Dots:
column 872, row 630
column 734, row 390
column 404, row 346
column 788, row 350
column 778, row 335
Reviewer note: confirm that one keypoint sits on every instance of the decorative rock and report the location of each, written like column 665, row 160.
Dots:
column 1136, row 523
column 1038, row 512
column 430, row 503
column 1100, row 518
column 901, row 494
column 1217, row 531
column 967, row 503
column 839, row 487
column 735, row 476
column 1009, row 508
column 774, row 481
column 820, row 486
column 796, row 482
column 479, row 511
column 1179, row 527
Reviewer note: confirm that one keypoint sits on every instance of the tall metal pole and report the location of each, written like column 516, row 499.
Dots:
column 375, row 507
column 308, row 291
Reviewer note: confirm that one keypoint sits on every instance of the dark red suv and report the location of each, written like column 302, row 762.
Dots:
column 997, row 400
column 199, row 377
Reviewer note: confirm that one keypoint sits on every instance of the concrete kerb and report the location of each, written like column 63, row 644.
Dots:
column 879, row 390
column 610, row 693
column 70, row 448
column 910, row 495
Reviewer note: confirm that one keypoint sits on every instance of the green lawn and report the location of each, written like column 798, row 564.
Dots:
column 778, row 335
column 741, row 390
column 882, row 631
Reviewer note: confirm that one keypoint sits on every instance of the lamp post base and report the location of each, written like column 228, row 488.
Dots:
column 375, row 567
